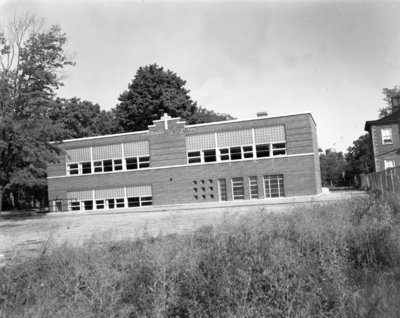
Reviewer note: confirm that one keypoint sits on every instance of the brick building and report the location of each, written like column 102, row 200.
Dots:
column 173, row 163
column 385, row 139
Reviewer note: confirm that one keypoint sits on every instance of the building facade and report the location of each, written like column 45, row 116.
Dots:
column 385, row 140
column 174, row 163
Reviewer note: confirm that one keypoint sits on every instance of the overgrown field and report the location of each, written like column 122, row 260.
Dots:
column 338, row 260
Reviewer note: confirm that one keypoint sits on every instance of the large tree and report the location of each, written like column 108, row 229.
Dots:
column 31, row 60
column 81, row 118
column 333, row 167
column 155, row 91
column 359, row 157
column 151, row 93
column 389, row 94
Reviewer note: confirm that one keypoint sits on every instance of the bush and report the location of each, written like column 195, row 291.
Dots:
column 341, row 259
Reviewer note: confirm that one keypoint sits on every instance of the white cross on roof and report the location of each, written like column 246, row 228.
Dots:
column 165, row 118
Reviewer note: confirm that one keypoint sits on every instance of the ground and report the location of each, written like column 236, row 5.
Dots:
column 30, row 234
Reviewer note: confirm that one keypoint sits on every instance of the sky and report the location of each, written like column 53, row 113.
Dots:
column 329, row 58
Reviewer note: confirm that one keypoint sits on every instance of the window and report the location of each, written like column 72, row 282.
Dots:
column 202, row 156
column 75, row 205
column 144, row 162
column 273, row 186
column 253, row 187
column 194, row 156
column 236, row 153
column 222, row 190
column 389, row 164
column 88, row 205
column 279, row 149
column 131, row 163
column 99, row 204
column 248, row 151
column 237, row 188
column 111, row 203
column 58, row 206
column 107, row 165
column 146, row 201
column 133, row 202
column 117, row 164
column 120, row 203
column 224, row 154
column 86, row 167
column 98, row 166
column 386, row 136
column 262, row 151
column 210, row 155
column 73, row 168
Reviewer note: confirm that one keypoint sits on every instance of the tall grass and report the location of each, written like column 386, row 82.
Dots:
column 338, row 260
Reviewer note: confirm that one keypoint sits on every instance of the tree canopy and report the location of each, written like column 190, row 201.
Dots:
column 81, row 119
column 359, row 157
column 151, row 93
column 389, row 94
column 31, row 59
column 155, row 91
column 333, row 167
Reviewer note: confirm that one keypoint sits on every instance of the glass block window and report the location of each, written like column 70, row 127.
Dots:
column 109, row 193
column 139, row 191
column 139, row 148
column 235, row 138
column 274, row 186
column 203, row 141
column 80, row 195
column 107, row 152
column 222, row 190
column 77, row 155
column 269, row 134
column 238, row 188
column 253, row 183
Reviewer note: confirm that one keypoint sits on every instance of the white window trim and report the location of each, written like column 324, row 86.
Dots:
column 389, row 129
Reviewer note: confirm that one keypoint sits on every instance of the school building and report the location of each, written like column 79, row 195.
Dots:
column 173, row 163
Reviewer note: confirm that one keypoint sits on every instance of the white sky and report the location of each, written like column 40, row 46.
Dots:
column 331, row 58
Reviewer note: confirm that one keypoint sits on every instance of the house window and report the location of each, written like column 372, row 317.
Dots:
column 273, row 186
column 386, row 136
column 238, row 188
column 253, row 187
column 389, row 164
column 222, row 190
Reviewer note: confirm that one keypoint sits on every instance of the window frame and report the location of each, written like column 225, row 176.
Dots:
column 390, row 135
column 237, row 187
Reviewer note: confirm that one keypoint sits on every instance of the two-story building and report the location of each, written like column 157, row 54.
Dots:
column 385, row 139
column 173, row 163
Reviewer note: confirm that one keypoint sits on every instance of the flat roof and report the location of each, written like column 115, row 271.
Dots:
column 194, row 125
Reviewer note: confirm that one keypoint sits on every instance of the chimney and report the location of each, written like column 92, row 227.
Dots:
column 395, row 103
column 262, row 114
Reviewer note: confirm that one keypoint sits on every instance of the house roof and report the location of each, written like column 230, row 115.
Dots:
column 389, row 119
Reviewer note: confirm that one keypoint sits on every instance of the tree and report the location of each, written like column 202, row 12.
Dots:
column 203, row 115
column 333, row 167
column 31, row 60
column 81, row 118
column 153, row 92
column 389, row 94
column 359, row 157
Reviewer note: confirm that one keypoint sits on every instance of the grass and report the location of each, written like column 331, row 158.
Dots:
column 337, row 260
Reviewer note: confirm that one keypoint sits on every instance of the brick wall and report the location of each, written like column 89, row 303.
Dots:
column 172, row 185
